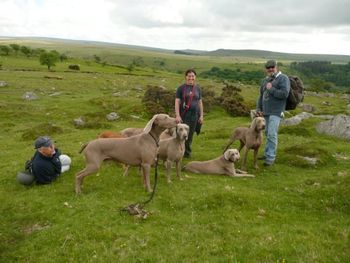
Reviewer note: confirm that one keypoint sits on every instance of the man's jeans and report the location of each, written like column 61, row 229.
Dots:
column 271, row 131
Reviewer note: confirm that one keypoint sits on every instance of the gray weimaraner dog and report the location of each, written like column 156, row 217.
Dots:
column 224, row 164
column 172, row 149
column 139, row 150
column 250, row 138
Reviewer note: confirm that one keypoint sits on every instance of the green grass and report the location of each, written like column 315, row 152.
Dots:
column 290, row 212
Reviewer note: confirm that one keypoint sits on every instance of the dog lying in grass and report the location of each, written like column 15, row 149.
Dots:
column 250, row 138
column 223, row 165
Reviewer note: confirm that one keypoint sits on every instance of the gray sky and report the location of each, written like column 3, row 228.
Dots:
column 295, row 26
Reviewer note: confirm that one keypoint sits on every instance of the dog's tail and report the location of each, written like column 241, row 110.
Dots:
column 83, row 147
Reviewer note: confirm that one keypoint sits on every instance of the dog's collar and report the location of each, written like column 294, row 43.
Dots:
column 154, row 138
column 223, row 157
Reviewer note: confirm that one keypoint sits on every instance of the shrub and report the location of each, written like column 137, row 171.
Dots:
column 232, row 101
column 208, row 98
column 158, row 100
column 74, row 67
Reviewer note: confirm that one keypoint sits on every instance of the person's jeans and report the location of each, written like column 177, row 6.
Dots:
column 271, row 131
column 191, row 121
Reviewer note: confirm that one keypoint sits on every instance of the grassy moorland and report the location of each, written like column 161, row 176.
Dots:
column 291, row 212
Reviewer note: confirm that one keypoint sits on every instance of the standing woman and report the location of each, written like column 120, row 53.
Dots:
column 189, row 107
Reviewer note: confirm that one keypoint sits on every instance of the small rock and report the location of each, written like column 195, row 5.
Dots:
column 55, row 94
column 310, row 160
column 112, row 116
column 79, row 122
column 326, row 103
column 3, row 83
column 308, row 108
column 29, row 96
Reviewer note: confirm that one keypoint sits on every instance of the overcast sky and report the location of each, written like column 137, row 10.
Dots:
column 295, row 26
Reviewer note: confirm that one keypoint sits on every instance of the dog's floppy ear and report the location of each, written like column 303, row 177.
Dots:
column 253, row 125
column 149, row 125
column 227, row 154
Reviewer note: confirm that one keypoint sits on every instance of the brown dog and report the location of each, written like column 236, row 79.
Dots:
column 136, row 150
column 111, row 134
column 221, row 165
column 250, row 138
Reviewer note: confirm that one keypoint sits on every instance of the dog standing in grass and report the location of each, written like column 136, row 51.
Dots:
column 172, row 149
column 250, row 138
column 139, row 150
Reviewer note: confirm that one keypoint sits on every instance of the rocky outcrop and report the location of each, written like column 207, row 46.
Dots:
column 295, row 120
column 338, row 126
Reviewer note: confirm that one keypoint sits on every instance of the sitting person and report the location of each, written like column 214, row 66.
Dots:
column 47, row 163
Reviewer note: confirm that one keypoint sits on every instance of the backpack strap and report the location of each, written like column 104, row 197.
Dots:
column 187, row 106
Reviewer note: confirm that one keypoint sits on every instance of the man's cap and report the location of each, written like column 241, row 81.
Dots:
column 44, row 141
column 271, row 63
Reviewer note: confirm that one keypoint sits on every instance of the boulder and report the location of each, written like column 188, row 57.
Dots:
column 338, row 126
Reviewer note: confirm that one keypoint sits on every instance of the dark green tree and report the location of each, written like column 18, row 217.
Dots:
column 26, row 51
column 97, row 59
column 49, row 58
column 4, row 50
column 15, row 48
column 63, row 57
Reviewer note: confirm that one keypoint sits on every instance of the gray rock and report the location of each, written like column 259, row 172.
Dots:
column 79, row 122
column 112, row 116
column 3, row 83
column 308, row 108
column 310, row 160
column 338, row 126
column 29, row 95
column 55, row 94
column 326, row 117
column 295, row 120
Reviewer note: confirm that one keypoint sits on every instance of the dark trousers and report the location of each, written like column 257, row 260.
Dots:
column 191, row 121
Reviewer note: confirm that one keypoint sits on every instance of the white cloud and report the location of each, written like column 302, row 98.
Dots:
column 285, row 26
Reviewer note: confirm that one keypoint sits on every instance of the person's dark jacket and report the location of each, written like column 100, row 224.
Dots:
column 273, row 101
column 46, row 169
column 184, row 93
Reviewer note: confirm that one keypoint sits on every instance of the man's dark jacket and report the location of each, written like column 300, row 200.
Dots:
column 46, row 169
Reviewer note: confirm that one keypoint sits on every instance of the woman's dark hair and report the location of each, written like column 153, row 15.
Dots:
column 191, row 70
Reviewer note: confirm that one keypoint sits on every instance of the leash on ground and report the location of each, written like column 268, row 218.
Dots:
column 136, row 209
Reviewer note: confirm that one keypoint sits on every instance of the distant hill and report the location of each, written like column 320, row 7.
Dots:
column 251, row 54
column 265, row 54
column 239, row 55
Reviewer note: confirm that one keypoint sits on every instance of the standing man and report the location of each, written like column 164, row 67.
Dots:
column 189, row 107
column 271, row 104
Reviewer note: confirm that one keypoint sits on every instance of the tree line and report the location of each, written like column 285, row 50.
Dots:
column 323, row 74
column 48, row 58
column 318, row 75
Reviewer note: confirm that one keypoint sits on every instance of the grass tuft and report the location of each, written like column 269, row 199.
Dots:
column 40, row 130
